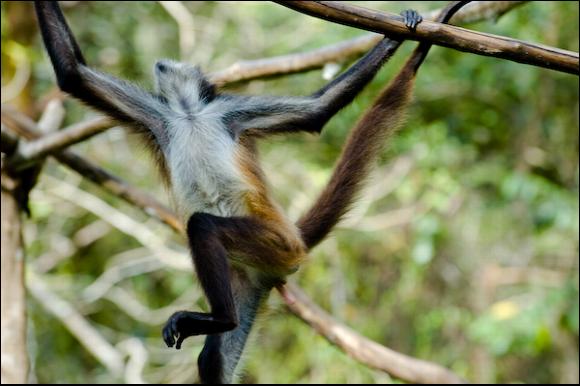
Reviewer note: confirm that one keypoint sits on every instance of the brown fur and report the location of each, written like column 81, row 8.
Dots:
column 364, row 145
column 277, row 232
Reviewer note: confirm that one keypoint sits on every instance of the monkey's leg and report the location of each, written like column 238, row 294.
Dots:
column 212, row 239
column 221, row 353
column 211, row 265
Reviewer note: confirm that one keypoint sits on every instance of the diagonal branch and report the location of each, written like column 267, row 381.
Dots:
column 441, row 34
column 304, row 61
column 362, row 349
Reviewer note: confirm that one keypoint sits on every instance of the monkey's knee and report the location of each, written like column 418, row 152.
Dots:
column 199, row 224
column 287, row 264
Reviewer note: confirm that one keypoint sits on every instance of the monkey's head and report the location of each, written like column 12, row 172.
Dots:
column 184, row 87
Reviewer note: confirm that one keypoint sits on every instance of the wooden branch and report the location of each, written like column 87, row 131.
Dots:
column 35, row 150
column 442, row 34
column 362, row 349
column 304, row 61
column 293, row 63
column 301, row 305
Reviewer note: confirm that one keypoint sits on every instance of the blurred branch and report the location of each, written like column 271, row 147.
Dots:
column 185, row 22
column 129, row 304
column 441, row 34
column 32, row 151
column 405, row 367
column 363, row 349
column 138, row 357
column 83, row 331
column 304, row 61
column 122, row 222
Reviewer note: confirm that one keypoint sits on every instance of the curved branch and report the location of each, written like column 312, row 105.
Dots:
column 304, row 61
column 369, row 353
column 441, row 34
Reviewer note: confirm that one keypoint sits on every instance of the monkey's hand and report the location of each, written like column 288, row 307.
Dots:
column 412, row 18
column 184, row 324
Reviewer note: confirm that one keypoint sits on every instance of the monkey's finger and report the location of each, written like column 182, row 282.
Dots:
column 179, row 342
column 168, row 337
column 174, row 328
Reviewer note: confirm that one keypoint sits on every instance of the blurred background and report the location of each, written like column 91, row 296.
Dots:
column 463, row 250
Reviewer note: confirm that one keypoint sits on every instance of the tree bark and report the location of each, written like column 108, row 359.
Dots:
column 13, row 294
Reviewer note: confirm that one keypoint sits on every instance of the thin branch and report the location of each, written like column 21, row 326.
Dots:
column 405, row 368
column 304, row 61
column 32, row 151
column 292, row 63
column 363, row 349
column 186, row 24
column 442, row 34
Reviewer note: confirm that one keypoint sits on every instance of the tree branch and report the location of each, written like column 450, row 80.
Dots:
column 304, row 61
column 14, row 356
column 363, row 349
column 35, row 150
column 441, row 34
column 370, row 353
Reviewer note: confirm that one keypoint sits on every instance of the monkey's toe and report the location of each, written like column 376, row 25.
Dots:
column 411, row 18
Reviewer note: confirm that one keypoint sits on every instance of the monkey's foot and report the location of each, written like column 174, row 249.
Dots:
column 412, row 18
column 184, row 324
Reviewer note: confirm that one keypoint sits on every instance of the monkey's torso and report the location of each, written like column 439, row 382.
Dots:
column 204, row 170
column 212, row 172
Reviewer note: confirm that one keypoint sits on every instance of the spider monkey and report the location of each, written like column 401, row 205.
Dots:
column 204, row 141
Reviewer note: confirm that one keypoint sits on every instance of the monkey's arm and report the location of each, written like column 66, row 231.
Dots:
column 271, row 115
column 263, row 115
column 119, row 99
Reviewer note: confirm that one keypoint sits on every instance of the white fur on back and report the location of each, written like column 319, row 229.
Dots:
column 201, row 157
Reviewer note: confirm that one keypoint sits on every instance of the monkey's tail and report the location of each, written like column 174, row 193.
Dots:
column 364, row 146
